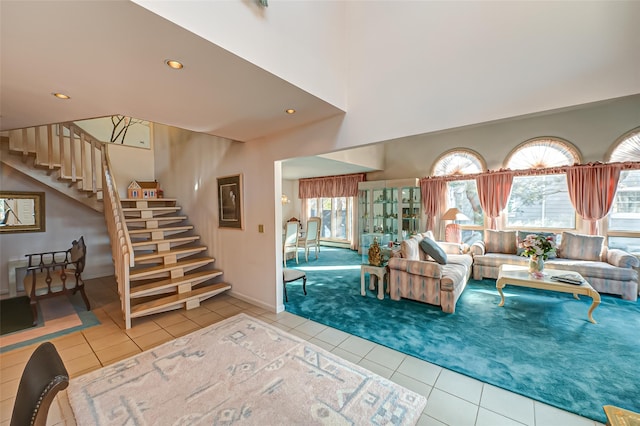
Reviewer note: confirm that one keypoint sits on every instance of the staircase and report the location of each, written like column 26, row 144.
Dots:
column 170, row 270
column 159, row 265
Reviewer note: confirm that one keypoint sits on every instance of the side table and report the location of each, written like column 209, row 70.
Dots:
column 378, row 273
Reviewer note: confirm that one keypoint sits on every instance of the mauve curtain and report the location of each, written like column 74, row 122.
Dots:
column 355, row 232
column 493, row 190
column 330, row 186
column 434, row 199
column 592, row 188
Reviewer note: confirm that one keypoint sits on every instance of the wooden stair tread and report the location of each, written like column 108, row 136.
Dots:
column 146, row 219
column 149, row 307
column 138, row 273
column 166, row 240
column 160, row 210
column 149, row 199
column 127, row 209
column 175, row 251
column 165, row 229
column 192, row 277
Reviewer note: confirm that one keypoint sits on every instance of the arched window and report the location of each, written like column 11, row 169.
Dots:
column 541, row 201
column 458, row 162
column 542, row 153
column 624, row 218
column 463, row 193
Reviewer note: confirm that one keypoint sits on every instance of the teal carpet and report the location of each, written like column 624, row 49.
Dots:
column 540, row 345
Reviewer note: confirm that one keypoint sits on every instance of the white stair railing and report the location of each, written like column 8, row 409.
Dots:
column 121, row 248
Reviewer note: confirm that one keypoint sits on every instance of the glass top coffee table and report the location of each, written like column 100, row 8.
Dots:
column 519, row 276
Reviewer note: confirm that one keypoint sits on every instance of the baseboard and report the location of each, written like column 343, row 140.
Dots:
column 254, row 301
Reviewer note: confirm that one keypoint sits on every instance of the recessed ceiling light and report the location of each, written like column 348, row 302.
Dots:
column 176, row 65
column 61, row 96
column 290, row 111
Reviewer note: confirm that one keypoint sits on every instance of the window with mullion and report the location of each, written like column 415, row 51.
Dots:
column 336, row 216
column 540, row 201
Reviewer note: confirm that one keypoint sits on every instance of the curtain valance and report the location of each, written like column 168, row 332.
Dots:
column 592, row 188
column 330, row 186
column 629, row 165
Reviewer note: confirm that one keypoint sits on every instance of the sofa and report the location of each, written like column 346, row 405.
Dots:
column 608, row 271
column 416, row 275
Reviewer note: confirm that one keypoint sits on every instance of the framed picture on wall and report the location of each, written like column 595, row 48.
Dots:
column 230, row 201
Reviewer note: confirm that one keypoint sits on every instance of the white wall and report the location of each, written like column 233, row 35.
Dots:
column 301, row 42
column 418, row 67
column 66, row 220
column 293, row 208
column 405, row 68
column 593, row 130
column 187, row 166
column 131, row 164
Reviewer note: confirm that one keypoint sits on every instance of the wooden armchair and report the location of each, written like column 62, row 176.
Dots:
column 55, row 273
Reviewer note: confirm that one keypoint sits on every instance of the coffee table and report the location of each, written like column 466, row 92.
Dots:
column 519, row 276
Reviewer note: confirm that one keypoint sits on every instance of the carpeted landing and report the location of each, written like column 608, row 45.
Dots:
column 540, row 344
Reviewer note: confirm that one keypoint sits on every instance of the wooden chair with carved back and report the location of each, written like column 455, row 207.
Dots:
column 56, row 273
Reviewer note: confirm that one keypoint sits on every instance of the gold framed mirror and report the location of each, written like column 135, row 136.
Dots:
column 22, row 212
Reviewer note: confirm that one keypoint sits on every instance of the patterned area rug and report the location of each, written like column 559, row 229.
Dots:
column 56, row 317
column 240, row 370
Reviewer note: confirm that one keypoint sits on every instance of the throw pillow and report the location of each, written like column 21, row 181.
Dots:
column 580, row 247
column 500, row 241
column 521, row 235
column 432, row 248
column 409, row 249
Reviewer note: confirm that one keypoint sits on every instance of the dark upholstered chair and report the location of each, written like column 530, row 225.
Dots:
column 43, row 377
column 55, row 273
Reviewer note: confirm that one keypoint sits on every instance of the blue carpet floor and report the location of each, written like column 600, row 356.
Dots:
column 540, row 344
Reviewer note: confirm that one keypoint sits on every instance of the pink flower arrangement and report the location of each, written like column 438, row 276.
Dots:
column 537, row 245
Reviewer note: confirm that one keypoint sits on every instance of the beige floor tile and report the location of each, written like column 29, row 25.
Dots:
column 100, row 331
column 182, row 328
column 141, row 328
column 68, row 341
column 228, row 311
column 17, row 356
column 102, row 315
column 152, row 339
column 6, row 407
column 9, row 388
column 191, row 313
column 73, row 352
column 11, row 372
column 117, row 352
column 118, row 320
column 256, row 310
column 65, row 406
column 207, row 319
column 168, row 318
column 241, row 303
column 83, row 364
column 215, row 303
column 109, row 340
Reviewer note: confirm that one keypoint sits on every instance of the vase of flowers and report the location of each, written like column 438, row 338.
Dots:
column 537, row 248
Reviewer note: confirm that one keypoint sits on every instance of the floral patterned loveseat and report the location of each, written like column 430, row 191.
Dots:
column 608, row 271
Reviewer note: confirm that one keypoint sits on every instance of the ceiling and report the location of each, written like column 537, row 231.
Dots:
column 109, row 57
column 306, row 167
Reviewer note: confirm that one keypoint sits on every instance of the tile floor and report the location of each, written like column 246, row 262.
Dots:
column 453, row 399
